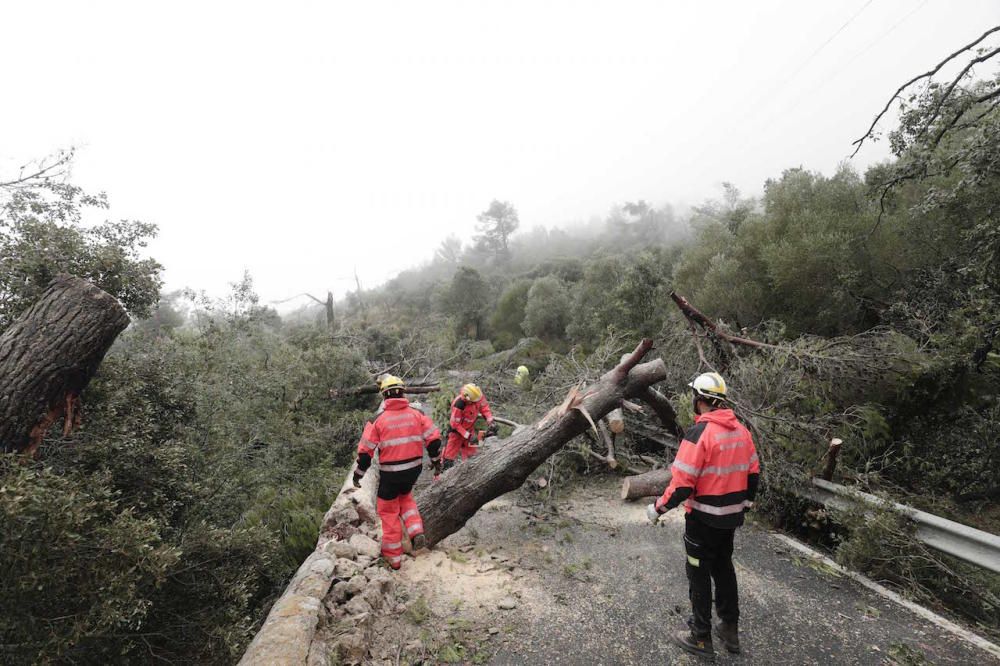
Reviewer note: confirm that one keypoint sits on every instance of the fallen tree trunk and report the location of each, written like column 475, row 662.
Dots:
column 446, row 505
column 650, row 484
column 48, row 356
column 371, row 389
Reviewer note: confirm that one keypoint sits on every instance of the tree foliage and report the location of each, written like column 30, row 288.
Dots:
column 496, row 224
column 42, row 233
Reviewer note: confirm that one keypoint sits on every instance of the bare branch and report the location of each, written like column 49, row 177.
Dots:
column 292, row 298
column 44, row 170
column 929, row 73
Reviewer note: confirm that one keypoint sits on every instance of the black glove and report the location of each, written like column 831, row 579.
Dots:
column 492, row 430
column 358, row 475
column 436, row 466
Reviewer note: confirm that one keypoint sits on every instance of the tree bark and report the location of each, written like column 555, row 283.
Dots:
column 446, row 505
column 663, row 409
column 412, row 389
column 48, row 356
column 650, row 484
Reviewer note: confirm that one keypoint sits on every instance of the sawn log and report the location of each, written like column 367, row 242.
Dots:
column 650, row 484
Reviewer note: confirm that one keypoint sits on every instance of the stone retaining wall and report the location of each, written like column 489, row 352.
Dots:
column 328, row 609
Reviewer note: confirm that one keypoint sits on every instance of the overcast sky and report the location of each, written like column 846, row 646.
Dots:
column 301, row 139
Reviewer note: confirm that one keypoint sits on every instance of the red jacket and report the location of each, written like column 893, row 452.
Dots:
column 464, row 414
column 715, row 471
column 400, row 434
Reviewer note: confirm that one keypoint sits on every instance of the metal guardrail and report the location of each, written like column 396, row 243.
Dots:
column 964, row 542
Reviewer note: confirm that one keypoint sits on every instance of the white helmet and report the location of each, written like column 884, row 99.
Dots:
column 709, row 385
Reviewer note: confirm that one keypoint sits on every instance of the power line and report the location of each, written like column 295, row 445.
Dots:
column 822, row 46
column 843, row 68
column 883, row 36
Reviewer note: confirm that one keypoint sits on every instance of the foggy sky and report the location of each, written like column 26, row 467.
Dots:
column 301, row 139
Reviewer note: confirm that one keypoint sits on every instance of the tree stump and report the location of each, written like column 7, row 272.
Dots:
column 48, row 356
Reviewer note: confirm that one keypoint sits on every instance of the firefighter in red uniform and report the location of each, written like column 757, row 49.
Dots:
column 467, row 406
column 399, row 434
column 715, row 475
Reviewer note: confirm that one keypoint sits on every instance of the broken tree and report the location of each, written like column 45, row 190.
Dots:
column 48, row 356
column 446, row 505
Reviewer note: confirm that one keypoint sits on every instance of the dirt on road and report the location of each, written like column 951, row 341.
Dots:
column 586, row 580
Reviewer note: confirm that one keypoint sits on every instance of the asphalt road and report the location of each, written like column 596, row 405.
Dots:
column 598, row 585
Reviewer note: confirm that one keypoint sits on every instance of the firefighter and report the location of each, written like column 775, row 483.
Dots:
column 715, row 474
column 522, row 377
column 399, row 433
column 467, row 406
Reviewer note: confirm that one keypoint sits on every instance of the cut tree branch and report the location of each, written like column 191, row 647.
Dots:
column 694, row 315
column 370, row 389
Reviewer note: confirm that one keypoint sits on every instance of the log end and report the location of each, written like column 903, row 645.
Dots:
column 625, row 485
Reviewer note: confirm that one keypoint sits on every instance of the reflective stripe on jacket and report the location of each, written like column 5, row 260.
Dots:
column 713, row 470
column 400, row 434
column 464, row 414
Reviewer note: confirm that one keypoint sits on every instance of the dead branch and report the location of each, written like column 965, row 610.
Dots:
column 416, row 388
column 926, row 75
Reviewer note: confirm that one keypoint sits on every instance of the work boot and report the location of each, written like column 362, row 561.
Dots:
column 695, row 645
column 419, row 542
column 729, row 634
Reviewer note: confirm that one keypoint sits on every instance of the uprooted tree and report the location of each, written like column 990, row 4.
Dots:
column 446, row 505
column 48, row 356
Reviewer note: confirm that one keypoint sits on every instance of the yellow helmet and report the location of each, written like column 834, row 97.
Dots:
column 390, row 382
column 709, row 385
column 472, row 393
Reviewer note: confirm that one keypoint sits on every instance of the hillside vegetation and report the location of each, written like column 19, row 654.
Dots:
column 164, row 528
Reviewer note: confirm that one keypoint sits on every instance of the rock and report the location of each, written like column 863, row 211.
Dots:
column 373, row 597
column 382, row 581
column 494, row 631
column 356, row 585
column 314, row 576
column 466, row 548
column 341, row 549
column 400, row 608
column 507, row 603
column 364, row 561
column 340, row 516
column 345, row 569
column 357, row 606
column 367, row 513
column 351, row 648
column 339, row 592
column 500, row 557
column 365, row 545
column 416, row 645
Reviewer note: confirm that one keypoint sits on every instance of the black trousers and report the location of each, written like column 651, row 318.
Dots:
column 393, row 484
column 710, row 558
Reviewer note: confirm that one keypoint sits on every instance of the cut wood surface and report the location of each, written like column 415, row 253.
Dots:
column 616, row 421
column 446, row 505
column 650, row 484
column 48, row 356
